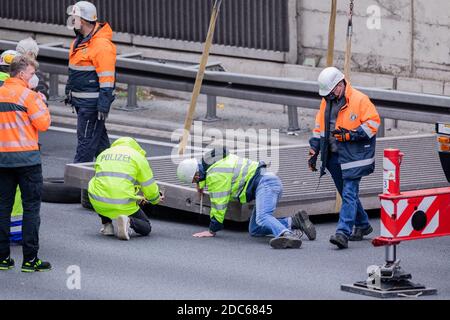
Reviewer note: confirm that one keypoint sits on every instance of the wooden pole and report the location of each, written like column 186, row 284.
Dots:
column 199, row 79
column 348, row 50
column 331, row 34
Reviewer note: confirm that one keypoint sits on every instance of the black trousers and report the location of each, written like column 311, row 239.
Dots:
column 30, row 181
column 138, row 222
column 91, row 134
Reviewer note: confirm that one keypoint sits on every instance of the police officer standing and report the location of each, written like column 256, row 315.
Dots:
column 91, row 79
column 345, row 135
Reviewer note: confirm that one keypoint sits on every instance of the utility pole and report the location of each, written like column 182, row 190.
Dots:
column 200, row 75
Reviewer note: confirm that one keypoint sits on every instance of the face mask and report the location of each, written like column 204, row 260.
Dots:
column 33, row 82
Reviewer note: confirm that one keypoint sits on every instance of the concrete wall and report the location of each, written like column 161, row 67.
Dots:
column 410, row 38
column 385, row 51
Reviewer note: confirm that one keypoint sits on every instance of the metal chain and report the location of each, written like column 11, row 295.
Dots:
column 351, row 8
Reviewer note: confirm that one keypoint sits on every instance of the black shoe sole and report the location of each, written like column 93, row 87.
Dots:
column 365, row 233
column 338, row 244
column 6, row 268
column 285, row 243
column 307, row 226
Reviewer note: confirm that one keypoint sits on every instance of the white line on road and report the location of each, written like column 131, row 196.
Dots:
column 146, row 141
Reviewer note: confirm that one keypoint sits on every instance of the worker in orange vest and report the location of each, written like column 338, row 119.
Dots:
column 91, row 82
column 345, row 135
column 22, row 114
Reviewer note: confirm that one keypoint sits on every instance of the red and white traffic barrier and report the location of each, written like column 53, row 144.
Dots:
column 410, row 215
column 405, row 216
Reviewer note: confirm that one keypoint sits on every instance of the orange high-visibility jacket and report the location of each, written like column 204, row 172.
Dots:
column 22, row 114
column 357, row 157
column 92, row 64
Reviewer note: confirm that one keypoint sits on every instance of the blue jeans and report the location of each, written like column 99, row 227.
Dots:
column 262, row 221
column 352, row 212
column 91, row 134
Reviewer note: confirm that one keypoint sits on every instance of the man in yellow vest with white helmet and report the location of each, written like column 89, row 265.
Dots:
column 229, row 177
column 121, row 173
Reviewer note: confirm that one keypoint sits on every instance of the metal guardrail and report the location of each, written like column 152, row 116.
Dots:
column 293, row 93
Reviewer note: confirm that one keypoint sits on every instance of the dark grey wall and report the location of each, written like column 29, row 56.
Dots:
column 257, row 24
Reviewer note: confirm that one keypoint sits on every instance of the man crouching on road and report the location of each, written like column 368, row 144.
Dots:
column 229, row 177
column 120, row 173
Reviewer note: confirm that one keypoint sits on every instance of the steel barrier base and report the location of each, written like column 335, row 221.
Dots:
column 395, row 289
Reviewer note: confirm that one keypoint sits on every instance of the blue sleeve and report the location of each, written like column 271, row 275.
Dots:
column 315, row 144
column 105, row 99
column 215, row 225
column 359, row 135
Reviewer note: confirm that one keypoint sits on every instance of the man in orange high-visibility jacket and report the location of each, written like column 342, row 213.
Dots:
column 91, row 81
column 22, row 114
column 345, row 135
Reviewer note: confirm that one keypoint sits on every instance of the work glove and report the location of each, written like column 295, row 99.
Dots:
column 102, row 115
column 342, row 134
column 312, row 161
column 68, row 99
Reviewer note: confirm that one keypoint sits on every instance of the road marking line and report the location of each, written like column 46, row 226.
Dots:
column 146, row 141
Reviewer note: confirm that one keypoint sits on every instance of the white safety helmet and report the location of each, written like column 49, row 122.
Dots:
column 28, row 45
column 328, row 79
column 186, row 170
column 7, row 57
column 83, row 9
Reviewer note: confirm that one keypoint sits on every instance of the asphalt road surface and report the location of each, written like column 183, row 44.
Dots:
column 171, row 264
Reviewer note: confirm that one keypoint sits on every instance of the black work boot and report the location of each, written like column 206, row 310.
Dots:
column 301, row 221
column 359, row 233
column 6, row 264
column 287, row 240
column 36, row 264
column 339, row 240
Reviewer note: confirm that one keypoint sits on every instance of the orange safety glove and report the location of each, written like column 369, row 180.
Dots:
column 342, row 134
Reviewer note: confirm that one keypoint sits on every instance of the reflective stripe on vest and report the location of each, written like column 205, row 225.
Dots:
column 86, row 95
column 367, row 130
column 116, row 175
column 106, row 84
column 148, row 182
column 37, row 114
column 23, row 97
column 13, row 125
column 17, row 229
column 81, row 68
column 111, row 201
column 244, row 175
column 16, row 218
column 219, row 194
column 237, row 170
column 18, row 144
column 219, row 206
column 357, row 164
column 373, row 124
column 105, row 74
column 221, row 170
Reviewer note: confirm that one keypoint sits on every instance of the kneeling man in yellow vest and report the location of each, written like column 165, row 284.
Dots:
column 229, row 177
column 121, row 173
